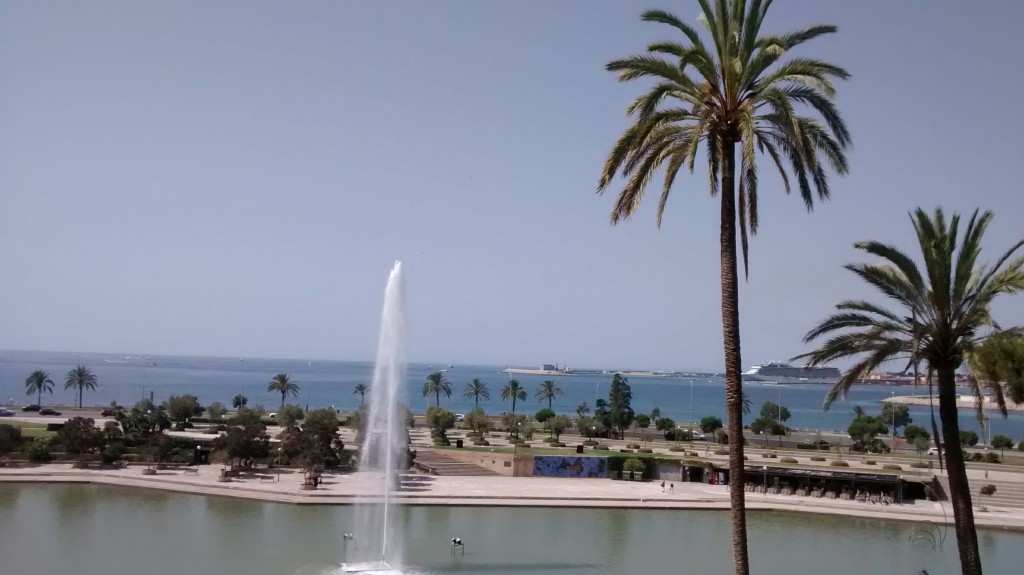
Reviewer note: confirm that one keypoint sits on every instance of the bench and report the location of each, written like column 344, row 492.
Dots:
column 268, row 478
column 190, row 471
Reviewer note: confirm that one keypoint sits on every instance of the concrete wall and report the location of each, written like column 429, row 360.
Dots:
column 500, row 463
column 570, row 466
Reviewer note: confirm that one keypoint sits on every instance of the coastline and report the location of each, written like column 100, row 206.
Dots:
column 962, row 402
column 354, row 489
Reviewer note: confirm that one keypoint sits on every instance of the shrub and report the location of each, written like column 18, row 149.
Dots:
column 839, row 463
column 601, row 447
column 38, row 451
column 788, row 460
column 111, row 453
column 10, row 438
column 557, row 444
column 524, row 445
column 678, row 448
column 817, row 458
column 481, row 443
column 645, row 450
column 976, row 457
column 590, row 443
column 812, row 447
column 892, row 467
column 921, row 465
column 988, row 489
column 870, row 462
column 634, row 464
column 992, row 458
column 769, row 455
column 721, row 452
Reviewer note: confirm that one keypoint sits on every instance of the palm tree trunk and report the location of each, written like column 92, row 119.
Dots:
column 935, row 427
column 81, row 390
column 40, row 402
column 731, row 337
column 959, row 488
column 282, row 400
column 437, row 397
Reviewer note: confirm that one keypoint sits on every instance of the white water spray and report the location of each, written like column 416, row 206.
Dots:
column 385, row 437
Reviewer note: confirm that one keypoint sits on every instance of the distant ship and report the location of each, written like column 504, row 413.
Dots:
column 779, row 372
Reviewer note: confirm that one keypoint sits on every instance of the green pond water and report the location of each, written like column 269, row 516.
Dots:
column 52, row 529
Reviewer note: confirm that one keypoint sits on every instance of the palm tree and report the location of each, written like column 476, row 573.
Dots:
column 38, row 382
column 81, row 378
column 745, row 400
column 477, row 390
column 547, row 390
column 513, row 390
column 858, row 411
column 361, row 390
column 437, row 384
column 741, row 95
column 284, row 385
column 940, row 310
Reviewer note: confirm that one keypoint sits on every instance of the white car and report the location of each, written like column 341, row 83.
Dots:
column 460, row 417
column 933, row 451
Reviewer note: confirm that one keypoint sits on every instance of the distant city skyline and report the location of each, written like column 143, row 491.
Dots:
column 236, row 179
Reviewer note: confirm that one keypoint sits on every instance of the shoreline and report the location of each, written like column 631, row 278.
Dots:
column 962, row 402
column 494, row 492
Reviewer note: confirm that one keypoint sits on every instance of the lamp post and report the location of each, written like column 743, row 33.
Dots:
column 892, row 407
column 988, row 442
column 764, row 488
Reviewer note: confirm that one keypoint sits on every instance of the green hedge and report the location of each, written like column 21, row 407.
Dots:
column 812, row 447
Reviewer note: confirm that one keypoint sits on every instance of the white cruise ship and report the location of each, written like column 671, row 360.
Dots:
column 779, row 372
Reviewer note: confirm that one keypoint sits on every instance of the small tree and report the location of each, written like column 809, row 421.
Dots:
column 290, row 415
column 216, row 411
column 79, row 436
column 558, row 424
column 320, row 429
column 1002, row 443
column 440, row 420
column 767, row 426
column 543, row 416
column 246, row 437
column 182, row 407
column 865, row 428
column 968, row 438
column 239, row 401
column 664, row 423
column 912, row 432
column 901, row 412
column 774, row 411
column 10, row 438
column 710, row 424
column 582, row 409
column 587, row 427
column 478, row 421
column 620, row 397
column 921, row 445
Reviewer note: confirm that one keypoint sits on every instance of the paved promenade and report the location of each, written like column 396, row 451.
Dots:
column 347, row 489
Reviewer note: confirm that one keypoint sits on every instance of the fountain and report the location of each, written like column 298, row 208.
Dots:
column 385, row 437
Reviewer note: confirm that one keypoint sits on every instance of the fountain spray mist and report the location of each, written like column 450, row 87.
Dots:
column 386, row 436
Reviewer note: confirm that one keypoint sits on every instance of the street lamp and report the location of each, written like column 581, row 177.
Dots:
column 892, row 406
column 764, row 488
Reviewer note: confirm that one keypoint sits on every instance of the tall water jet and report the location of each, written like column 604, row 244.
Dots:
column 385, row 434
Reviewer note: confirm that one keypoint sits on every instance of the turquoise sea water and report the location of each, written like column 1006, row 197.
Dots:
column 127, row 378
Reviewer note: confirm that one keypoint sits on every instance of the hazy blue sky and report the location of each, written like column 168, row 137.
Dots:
column 237, row 178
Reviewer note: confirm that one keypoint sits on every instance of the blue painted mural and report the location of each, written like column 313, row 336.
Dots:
column 562, row 466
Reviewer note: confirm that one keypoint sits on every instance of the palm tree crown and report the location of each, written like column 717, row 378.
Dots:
column 361, row 390
column 941, row 310
column 514, row 391
column 80, row 377
column 38, row 382
column 437, row 384
column 736, row 92
column 547, row 391
column 477, row 390
column 283, row 384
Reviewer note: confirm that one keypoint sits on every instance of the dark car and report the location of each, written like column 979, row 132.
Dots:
column 32, row 407
column 48, row 411
column 109, row 412
column 820, row 443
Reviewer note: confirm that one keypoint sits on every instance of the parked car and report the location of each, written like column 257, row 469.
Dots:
column 32, row 407
column 6, row 412
column 818, row 443
column 460, row 417
column 933, row 451
column 109, row 412
column 48, row 411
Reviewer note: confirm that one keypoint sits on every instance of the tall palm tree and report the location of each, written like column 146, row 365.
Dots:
column 739, row 95
column 858, row 411
column 437, row 384
column 514, row 391
column 940, row 311
column 361, row 390
column 283, row 384
column 547, row 391
column 477, row 390
column 83, row 379
column 38, row 382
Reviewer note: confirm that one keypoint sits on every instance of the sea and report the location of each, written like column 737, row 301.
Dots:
column 127, row 378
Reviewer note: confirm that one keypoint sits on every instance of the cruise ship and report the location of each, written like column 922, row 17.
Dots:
column 779, row 372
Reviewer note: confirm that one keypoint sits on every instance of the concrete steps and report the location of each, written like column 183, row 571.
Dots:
column 437, row 463
column 1008, row 494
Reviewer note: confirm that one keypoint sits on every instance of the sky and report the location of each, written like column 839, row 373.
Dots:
column 238, row 178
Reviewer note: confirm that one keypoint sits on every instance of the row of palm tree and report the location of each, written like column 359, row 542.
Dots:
column 79, row 377
column 437, row 383
column 740, row 97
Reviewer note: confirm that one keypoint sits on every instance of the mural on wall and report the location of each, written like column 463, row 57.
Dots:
column 561, row 466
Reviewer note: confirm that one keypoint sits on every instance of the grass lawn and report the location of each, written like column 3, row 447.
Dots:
column 29, row 429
